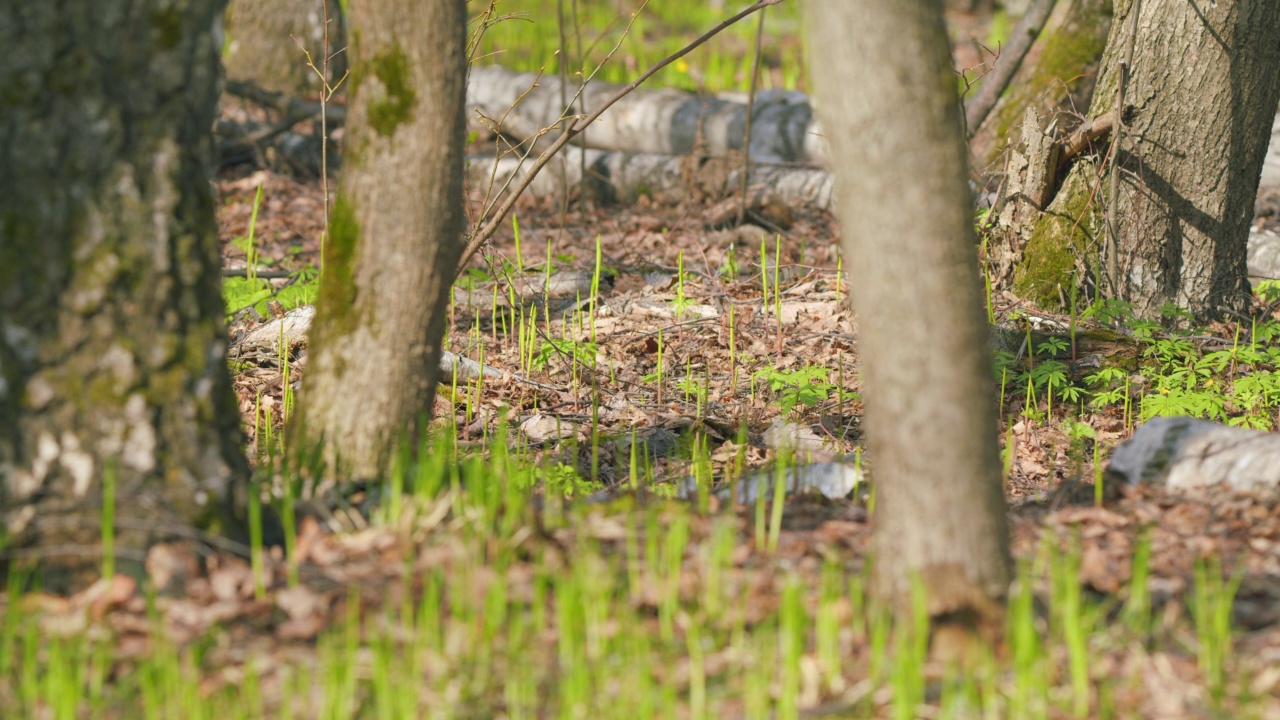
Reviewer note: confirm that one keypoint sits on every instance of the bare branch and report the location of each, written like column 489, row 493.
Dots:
column 1020, row 41
column 575, row 128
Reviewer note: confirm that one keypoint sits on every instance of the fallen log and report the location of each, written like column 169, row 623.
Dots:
column 625, row 176
column 1184, row 453
column 290, row 331
column 621, row 176
column 523, row 105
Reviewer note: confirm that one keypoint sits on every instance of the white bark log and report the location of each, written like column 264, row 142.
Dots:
column 650, row 121
column 626, row 176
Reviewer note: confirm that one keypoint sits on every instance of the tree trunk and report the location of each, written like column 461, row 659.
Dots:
column 903, row 201
column 112, row 344
column 395, row 237
column 262, row 38
column 1056, row 78
column 1202, row 92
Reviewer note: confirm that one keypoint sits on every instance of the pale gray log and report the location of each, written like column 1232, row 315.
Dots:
column 1263, row 255
column 625, row 176
column 295, row 324
column 656, row 121
column 833, row 480
column 1187, row 453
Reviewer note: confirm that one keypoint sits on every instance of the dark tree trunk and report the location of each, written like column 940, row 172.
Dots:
column 395, row 236
column 112, row 345
column 903, row 201
column 1202, row 95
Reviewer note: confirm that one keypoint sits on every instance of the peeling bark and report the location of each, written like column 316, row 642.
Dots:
column 1056, row 78
column 112, row 348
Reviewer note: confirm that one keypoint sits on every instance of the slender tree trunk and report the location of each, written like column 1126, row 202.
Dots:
column 263, row 37
column 1202, row 90
column 112, row 344
column 395, row 236
column 1056, row 78
column 903, row 202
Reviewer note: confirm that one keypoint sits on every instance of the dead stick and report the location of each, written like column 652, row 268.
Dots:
column 746, row 130
column 500, row 216
column 1090, row 131
column 1020, row 41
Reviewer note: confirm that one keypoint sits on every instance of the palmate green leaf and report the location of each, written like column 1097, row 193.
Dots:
column 240, row 293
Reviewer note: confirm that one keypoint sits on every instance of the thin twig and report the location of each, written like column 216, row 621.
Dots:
column 564, row 82
column 1010, row 58
column 746, row 131
column 573, row 129
column 326, row 92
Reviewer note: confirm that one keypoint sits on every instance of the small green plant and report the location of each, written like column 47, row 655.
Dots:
column 579, row 352
column 807, row 386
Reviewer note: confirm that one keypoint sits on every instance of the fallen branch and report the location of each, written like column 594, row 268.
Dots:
column 277, row 101
column 485, row 232
column 1010, row 58
column 1090, row 131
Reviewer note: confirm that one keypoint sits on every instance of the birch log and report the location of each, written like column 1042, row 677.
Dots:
column 624, row 176
column 649, row 121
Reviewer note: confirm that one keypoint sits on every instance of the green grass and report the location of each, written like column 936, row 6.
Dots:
column 529, row 37
column 667, row 619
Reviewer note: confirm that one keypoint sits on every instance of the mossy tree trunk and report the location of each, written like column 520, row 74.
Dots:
column 112, row 343
column 263, row 37
column 1202, row 96
column 395, row 237
column 1056, row 78
column 903, row 202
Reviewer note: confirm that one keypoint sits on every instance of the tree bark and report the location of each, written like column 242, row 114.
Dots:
column 112, row 345
column 1056, row 78
column 1202, row 89
column 395, row 237
column 903, row 202
column 262, row 43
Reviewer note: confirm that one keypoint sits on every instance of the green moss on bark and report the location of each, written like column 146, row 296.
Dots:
column 1062, row 235
column 167, row 22
column 337, row 296
column 395, row 105
column 1067, row 53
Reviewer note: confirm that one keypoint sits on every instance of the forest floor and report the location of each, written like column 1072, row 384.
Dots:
column 674, row 288
column 712, row 363
column 806, row 340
